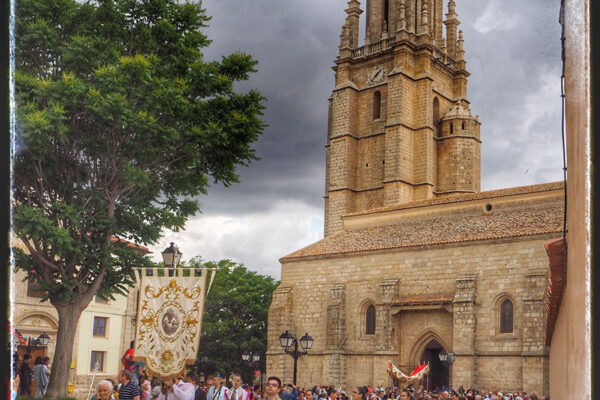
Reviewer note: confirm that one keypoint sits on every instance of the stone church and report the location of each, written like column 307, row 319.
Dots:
column 415, row 258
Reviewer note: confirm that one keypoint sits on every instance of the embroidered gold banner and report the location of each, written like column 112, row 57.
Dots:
column 169, row 321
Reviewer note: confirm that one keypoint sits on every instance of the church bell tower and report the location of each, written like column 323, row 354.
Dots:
column 400, row 128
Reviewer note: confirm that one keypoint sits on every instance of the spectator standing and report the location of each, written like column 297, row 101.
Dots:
column 25, row 376
column 358, row 393
column 41, row 374
column 146, row 386
column 104, row 391
column 273, row 387
column 177, row 389
column 128, row 390
column 237, row 391
column 258, row 393
column 218, row 391
column 290, row 392
column 199, row 393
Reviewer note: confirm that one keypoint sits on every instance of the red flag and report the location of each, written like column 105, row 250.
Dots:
column 17, row 335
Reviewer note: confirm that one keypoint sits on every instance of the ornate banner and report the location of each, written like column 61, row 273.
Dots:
column 169, row 321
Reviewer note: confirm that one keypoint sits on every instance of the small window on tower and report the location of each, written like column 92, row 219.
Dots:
column 463, row 126
column 386, row 14
column 451, row 128
column 436, row 116
column 377, row 105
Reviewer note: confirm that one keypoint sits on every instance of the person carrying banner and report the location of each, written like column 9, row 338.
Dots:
column 175, row 388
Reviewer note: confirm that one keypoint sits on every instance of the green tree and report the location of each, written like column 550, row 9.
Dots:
column 123, row 125
column 235, row 318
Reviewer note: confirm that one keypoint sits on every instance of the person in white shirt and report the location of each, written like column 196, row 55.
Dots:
column 237, row 392
column 218, row 391
column 176, row 389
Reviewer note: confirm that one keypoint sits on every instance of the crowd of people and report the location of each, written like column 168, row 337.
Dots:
column 25, row 376
column 191, row 388
column 135, row 383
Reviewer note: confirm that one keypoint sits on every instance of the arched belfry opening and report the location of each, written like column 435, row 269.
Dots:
column 439, row 374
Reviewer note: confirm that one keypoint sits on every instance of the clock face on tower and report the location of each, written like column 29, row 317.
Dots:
column 376, row 75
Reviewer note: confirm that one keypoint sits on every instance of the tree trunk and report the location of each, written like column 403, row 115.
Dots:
column 68, row 317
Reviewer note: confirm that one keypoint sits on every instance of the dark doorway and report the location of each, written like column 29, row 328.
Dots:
column 439, row 374
column 35, row 351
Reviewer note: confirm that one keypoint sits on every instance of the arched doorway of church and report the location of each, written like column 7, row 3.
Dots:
column 439, row 374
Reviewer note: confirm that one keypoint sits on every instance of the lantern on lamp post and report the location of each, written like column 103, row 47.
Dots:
column 171, row 257
column 288, row 341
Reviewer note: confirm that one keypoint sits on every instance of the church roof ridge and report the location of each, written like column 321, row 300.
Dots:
column 462, row 197
column 501, row 224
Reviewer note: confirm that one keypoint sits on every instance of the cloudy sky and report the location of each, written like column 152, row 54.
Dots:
column 513, row 54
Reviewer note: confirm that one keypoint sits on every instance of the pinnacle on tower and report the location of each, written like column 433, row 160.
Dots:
column 460, row 55
column 425, row 16
column 451, row 23
column 401, row 16
column 352, row 21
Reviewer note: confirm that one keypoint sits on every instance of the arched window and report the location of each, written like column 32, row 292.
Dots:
column 436, row 116
column 370, row 320
column 506, row 316
column 377, row 104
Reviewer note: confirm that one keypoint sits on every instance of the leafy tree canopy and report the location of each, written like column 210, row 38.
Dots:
column 235, row 318
column 124, row 124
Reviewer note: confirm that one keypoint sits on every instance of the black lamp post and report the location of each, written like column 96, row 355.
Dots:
column 171, row 256
column 288, row 341
column 40, row 341
column 253, row 362
column 447, row 358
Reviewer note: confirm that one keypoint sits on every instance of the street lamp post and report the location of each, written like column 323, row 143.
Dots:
column 171, row 256
column 253, row 361
column 40, row 341
column 447, row 358
column 288, row 341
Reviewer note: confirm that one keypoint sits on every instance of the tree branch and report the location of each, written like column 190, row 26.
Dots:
column 35, row 253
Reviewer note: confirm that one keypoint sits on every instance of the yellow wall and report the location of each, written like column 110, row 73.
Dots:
column 110, row 344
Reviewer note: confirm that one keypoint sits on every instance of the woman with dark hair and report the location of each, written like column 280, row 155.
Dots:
column 41, row 375
column 25, row 376
column 359, row 393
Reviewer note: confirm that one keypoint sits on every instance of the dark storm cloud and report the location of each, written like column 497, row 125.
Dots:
column 513, row 55
column 295, row 45
column 512, row 50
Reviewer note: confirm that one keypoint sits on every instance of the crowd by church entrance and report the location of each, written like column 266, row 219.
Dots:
column 215, row 388
column 135, row 383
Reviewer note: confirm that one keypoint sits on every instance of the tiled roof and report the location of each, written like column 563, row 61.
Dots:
column 458, row 198
column 422, row 300
column 514, row 222
column 138, row 247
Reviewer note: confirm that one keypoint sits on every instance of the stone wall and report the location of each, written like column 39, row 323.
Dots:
column 475, row 275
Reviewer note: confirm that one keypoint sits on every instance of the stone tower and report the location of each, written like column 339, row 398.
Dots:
column 400, row 128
